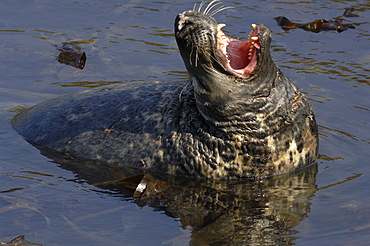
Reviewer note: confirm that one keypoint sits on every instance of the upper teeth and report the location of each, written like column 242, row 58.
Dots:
column 221, row 37
column 221, row 25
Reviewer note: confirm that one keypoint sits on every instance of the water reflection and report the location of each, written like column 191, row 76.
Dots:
column 18, row 203
column 87, row 84
column 217, row 212
column 355, row 176
column 340, row 132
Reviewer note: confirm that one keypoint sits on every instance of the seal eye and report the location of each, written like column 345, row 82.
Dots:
column 241, row 56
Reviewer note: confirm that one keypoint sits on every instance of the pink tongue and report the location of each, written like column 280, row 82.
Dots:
column 238, row 54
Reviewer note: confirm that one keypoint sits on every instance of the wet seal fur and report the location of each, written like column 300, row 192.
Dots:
column 239, row 116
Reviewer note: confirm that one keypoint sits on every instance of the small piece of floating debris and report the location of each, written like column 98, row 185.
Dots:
column 20, row 241
column 317, row 25
column 71, row 55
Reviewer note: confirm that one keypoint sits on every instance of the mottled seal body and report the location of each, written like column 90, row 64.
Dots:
column 238, row 116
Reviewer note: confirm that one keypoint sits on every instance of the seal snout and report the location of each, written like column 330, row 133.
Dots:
column 190, row 20
column 180, row 22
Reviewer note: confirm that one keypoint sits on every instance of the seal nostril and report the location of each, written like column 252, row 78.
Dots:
column 183, row 19
column 182, row 22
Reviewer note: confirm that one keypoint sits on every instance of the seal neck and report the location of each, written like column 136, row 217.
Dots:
column 222, row 98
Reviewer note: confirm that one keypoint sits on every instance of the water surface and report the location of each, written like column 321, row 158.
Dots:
column 54, row 203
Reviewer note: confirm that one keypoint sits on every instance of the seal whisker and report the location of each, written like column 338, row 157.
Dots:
column 234, row 55
column 190, row 55
column 196, row 58
column 210, row 6
column 222, row 8
column 183, row 89
column 201, row 6
column 213, row 58
column 207, row 10
column 193, row 53
column 208, row 55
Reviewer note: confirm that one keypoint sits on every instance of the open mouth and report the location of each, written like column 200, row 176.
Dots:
column 239, row 56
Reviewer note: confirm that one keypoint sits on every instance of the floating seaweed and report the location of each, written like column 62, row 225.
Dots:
column 317, row 25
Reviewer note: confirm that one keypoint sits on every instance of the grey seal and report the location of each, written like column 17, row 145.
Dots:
column 238, row 116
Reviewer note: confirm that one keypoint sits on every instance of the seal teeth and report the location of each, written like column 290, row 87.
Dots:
column 254, row 38
column 251, row 50
column 220, row 34
column 222, row 40
column 254, row 26
column 221, row 25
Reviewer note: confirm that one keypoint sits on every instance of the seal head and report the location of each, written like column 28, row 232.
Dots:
column 226, row 72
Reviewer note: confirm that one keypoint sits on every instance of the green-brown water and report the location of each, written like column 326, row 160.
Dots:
column 53, row 204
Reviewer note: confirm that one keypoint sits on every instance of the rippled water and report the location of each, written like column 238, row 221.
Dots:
column 53, row 203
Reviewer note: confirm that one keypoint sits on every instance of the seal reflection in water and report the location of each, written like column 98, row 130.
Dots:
column 216, row 212
column 239, row 116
